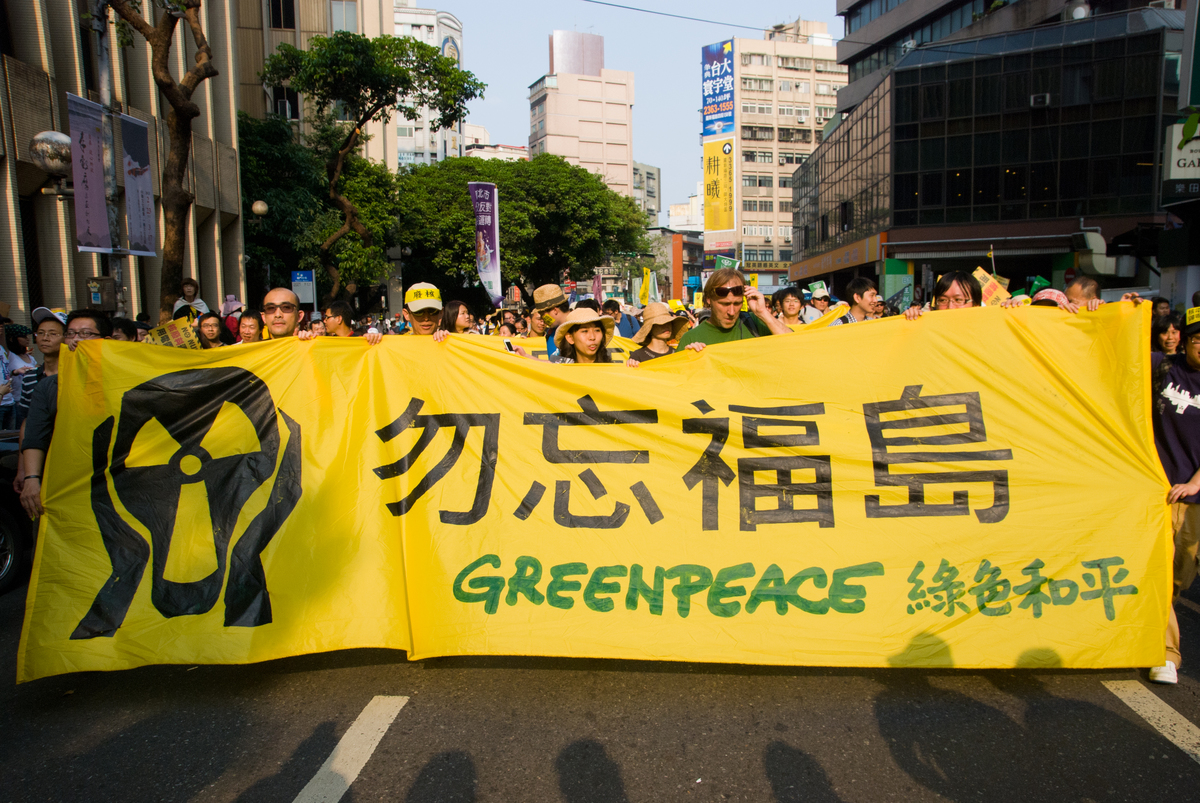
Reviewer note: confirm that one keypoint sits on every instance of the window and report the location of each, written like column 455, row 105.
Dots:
column 761, row 157
column 786, row 111
column 758, row 84
column 785, row 206
column 802, row 87
column 404, row 130
column 758, row 254
column 826, row 89
column 749, row 181
column 752, row 205
column 757, row 59
column 786, row 86
column 846, row 215
column 825, row 112
column 825, row 65
column 758, row 133
column 785, row 182
column 766, row 181
column 283, row 14
column 755, row 107
column 789, row 63
column 285, row 103
column 537, row 108
column 785, row 255
column 344, row 15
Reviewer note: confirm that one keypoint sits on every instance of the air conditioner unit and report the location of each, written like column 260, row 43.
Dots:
column 767, row 238
column 782, row 160
column 1041, row 101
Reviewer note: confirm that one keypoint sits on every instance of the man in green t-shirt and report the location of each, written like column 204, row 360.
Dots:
column 723, row 294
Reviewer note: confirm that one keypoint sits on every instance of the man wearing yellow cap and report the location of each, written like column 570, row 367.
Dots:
column 422, row 308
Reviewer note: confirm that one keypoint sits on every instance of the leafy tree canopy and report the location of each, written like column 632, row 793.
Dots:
column 358, row 80
column 555, row 219
column 290, row 177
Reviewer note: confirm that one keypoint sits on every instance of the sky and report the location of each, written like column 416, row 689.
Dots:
column 505, row 44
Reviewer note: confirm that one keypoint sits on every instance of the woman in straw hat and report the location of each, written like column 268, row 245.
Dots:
column 582, row 338
column 659, row 329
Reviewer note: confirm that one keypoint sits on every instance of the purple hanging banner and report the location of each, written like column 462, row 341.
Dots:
column 485, row 200
column 87, row 171
column 139, row 187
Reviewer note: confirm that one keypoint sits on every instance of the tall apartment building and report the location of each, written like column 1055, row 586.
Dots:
column 583, row 112
column 419, row 141
column 647, row 188
column 785, row 89
column 263, row 25
column 47, row 51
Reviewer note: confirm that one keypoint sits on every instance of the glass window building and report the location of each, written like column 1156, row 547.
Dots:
column 1017, row 135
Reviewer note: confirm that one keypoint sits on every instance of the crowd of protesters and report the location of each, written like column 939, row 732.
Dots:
column 582, row 333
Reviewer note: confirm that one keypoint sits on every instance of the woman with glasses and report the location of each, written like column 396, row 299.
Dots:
column 723, row 294
column 956, row 289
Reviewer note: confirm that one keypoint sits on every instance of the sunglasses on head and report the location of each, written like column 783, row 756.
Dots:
column 736, row 292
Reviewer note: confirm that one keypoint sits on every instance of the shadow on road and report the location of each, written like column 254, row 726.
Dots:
column 964, row 749
column 446, row 778
column 587, row 775
column 796, row 776
column 297, row 770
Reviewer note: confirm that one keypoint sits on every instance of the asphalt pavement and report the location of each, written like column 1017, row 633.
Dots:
column 602, row 731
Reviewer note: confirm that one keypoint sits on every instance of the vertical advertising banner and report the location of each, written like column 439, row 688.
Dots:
column 716, row 64
column 139, row 187
column 87, row 171
column 719, row 186
column 485, row 199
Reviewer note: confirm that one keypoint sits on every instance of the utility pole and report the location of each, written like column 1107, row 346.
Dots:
column 112, row 264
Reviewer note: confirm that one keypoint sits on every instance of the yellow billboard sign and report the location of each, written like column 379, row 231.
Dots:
column 719, row 186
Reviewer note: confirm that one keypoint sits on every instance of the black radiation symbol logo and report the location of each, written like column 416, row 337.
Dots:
column 727, row 148
column 186, row 404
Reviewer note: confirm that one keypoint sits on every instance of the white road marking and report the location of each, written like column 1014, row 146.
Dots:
column 1162, row 717
column 352, row 752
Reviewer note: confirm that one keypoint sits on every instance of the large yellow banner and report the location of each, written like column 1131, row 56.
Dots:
column 976, row 488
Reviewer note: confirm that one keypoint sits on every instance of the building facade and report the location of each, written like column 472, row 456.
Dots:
column 688, row 216
column 47, row 50
column 1040, row 146
column 647, row 182
column 784, row 92
column 263, row 26
column 420, row 141
column 584, row 112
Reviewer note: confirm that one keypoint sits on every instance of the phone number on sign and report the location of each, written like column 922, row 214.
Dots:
column 717, row 108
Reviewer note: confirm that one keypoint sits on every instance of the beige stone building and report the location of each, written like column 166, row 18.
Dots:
column 785, row 91
column 583, row 112
column 263, row 25
column 47, row 52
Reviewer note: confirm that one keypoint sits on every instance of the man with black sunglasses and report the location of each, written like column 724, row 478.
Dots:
column 282, row 315
column 723, row 294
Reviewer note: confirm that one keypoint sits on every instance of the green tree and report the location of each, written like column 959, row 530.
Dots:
column 555, row 219
column 359, row 81
column 290, row 178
